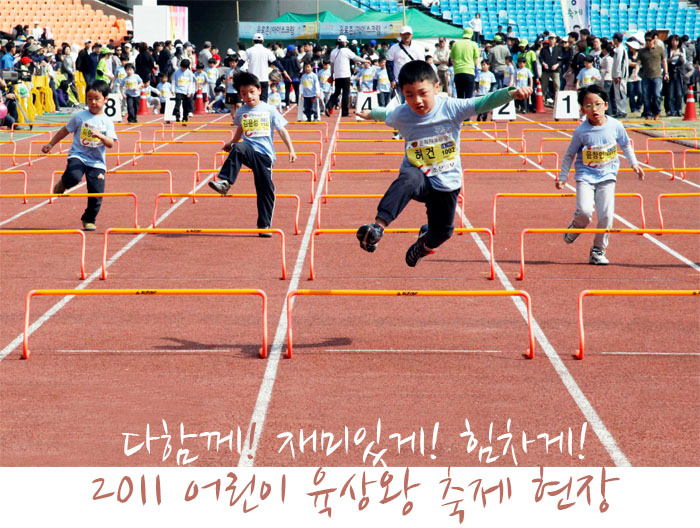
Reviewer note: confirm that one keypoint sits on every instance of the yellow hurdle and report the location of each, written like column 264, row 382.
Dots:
column 458, row 230
column 521, row 276
column 670, row 195
column 144, row 292
column 560, row 195
column 623, row 293
column 192, row 231
column 53, row 232
column 414, row 293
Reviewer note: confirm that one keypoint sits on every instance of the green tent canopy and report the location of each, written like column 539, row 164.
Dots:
column 423, row 26
column 323, row 16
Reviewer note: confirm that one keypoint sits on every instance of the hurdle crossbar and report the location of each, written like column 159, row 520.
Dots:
column 195, row 196
column 13, row 131
column 216, row 131
column 669, row 152
column 560, row 195
column 685, row 152
column 325, row 197
column 312, row 154
column 676, row 138
column 670, row 195
column 23, row 173
column 83, row 195
column 143, row 292
column 193, row 231
column 623, row 293
column 155, row 142
column 416, row 293
column 53, row 232
column 311, row 172
column 458, row 230
column 14, row 149
column 521, row 276
column 323, row 123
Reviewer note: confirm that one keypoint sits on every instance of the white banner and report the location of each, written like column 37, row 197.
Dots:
column 361, row 30
column 576, row 15
column 330, row 497
column 278, row 30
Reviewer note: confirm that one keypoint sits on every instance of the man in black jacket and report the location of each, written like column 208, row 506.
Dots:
column 550, row 60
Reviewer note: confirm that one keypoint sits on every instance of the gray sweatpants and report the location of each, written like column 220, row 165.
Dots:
column 601, row 198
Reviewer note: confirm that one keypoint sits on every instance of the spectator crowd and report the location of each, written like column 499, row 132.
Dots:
column 640, row 72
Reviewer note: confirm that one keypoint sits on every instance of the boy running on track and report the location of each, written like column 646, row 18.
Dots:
column 92, row 132
column 431, row 171
column 256, row 122
column 594, row 144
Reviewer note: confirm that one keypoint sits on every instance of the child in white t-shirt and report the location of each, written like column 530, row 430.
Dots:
column 486, row 83
column 588, row 74
column 523, row 78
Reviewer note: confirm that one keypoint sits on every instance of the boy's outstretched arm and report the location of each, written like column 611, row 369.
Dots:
column 288, row 142
column 377, row 114
column 58, row 136
column 499, row 98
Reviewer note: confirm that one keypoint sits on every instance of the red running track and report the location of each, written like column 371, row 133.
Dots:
column 102, row 367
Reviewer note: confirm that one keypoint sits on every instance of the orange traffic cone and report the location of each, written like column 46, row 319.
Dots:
column 690, row 112
column 199, row 103
column 539, row 100
column 143, row 103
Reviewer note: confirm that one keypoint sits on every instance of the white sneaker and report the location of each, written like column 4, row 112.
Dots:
column 397, row 136
column 598, row 257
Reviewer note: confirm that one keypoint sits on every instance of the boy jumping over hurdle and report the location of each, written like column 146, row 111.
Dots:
column 256, row 122
column 431, row 171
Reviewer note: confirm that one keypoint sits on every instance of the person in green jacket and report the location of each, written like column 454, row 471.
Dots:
column 104, row 69
column 464, row 55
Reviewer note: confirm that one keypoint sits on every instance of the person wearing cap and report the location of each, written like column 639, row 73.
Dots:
column 37, row 31
column 103, row 72
column 404, row 51
column 497, row 60
column 634, row 82
column 441, row 56
column 340, row 66
column 550, row 60
column 464, row 55
column 620, row 74
column 259, row 60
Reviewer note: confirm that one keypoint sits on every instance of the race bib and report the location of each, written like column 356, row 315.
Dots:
column 587, row 81
column 212, row 75
column 256, row 124
column 433, row 155
column 599, row 156
column 87, row 139
column 183, row 82
column 368, row 77
column 308, row 84
column 131, row 85
column 121, row 75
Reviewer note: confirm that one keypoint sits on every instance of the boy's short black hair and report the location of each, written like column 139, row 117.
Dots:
column 416, row 71
column 588, row 58
column 509, row 58
column 219, row 89
column 185, row 63
column 521, row 59
column 326, row 62
column 245, row 79
column 99, row 86
column 484, row 61
column 200, row 66
column 592, row 89
column 163, row 74
column 212, row 61
column 129, row 65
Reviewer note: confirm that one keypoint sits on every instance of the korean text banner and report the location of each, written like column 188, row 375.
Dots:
column 360, row 30
column 575, row 14
column 278, row 31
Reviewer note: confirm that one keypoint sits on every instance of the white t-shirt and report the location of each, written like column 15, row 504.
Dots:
column 259, row 59
column 400, row 57
column 340, row 62
column 475, row 23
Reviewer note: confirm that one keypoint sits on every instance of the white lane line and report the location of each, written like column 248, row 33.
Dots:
column 650, row 353
column 148, row 351
column 647, row 236
column 257, row 421
column 606, row 438
column 97, row 273
column 413, row 351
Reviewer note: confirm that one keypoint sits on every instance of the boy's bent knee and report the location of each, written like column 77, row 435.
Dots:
column 437, row 237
